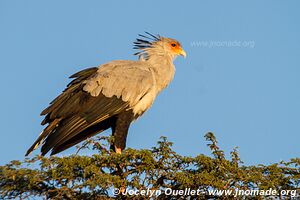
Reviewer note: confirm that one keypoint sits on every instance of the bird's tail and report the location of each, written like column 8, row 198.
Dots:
column 49, row 129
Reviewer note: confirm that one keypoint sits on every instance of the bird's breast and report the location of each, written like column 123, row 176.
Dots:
column 164, row 71
column 144, row 103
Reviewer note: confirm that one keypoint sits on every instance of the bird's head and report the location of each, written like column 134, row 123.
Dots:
column 150, row 44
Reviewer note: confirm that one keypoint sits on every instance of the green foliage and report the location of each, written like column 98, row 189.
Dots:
column 96, row 176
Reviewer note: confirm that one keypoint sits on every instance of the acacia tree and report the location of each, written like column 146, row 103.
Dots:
column 160, row 172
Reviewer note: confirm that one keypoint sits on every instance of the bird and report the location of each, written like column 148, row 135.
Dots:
column 110, row 96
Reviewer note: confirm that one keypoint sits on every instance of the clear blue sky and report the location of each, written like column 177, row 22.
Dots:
column 248, row 96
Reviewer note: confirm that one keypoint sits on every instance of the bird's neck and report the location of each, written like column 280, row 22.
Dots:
column 163, row 69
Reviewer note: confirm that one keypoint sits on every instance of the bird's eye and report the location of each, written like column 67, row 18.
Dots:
column 173, row 45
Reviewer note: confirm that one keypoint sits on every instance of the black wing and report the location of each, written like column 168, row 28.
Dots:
column 75, row 115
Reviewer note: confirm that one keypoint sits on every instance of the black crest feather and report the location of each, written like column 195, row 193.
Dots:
column 144, row 42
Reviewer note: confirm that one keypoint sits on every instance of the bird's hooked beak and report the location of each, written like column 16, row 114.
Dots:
column 182, row 52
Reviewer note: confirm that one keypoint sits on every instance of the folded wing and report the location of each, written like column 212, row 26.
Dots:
column 92, row 102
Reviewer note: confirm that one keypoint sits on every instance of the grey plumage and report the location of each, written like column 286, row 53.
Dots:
column 110, row 96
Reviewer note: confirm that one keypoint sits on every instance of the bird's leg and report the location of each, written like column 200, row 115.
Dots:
column 120, row 131
column 118, row 150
